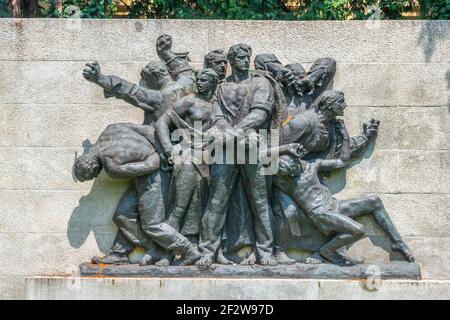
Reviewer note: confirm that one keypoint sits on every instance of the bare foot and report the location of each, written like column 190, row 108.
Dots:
column 340, row 259
column 314, row 259
column 111, row 258
column 268, row 261
column 146, row 260
column 249, row 261
column 190, row 259
column 204, row 262
column 282, row 258
column 222, row 260
column 403, row 248
column 162, row 263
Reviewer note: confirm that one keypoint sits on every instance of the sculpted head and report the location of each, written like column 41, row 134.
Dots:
column 322, row 72
column 239, row 57
column 206, row 81
column 331, row 103
column 297, row 70
column 155, row 74
column 302, row 84
column 87, row 167
column 290, row 166
column 217, row 61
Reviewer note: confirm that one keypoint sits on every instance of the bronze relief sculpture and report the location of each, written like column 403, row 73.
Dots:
column 201, row 194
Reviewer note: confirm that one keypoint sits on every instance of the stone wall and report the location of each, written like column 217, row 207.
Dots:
column 396, row 71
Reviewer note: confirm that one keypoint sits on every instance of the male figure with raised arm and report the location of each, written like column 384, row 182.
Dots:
column 170, row 79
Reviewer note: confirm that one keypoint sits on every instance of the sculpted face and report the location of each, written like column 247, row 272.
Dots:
column 338, row 107
column 217, row 61
column 219, row 66
column 241, row 61
column 203, row 84
column 151, row 79
column 154, row 74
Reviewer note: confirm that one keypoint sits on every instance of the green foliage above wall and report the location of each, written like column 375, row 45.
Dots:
column 435, row 9
column 231, row 9
column 212, row 9
column 59, row 8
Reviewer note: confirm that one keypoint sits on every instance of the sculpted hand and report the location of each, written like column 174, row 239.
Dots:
column 370, row 128
column 296, row 150
column 304, row 86
column 167, row 161
column 252, row 139
column 168, row 157
column 92, row 71
column 213, row 133
column 164, row 43
column 285, row 75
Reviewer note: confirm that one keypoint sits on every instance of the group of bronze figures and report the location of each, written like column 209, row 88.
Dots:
column 184, row 210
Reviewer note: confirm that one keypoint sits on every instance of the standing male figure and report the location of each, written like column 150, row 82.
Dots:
column 244, row 101
column 238, row 232
column 188, row 176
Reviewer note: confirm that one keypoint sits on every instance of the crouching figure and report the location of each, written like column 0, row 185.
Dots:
column 128, row 151
column 334, row 218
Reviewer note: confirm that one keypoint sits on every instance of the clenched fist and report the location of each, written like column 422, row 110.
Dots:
column 370, row 128
column 164, row 43
column 92, row 71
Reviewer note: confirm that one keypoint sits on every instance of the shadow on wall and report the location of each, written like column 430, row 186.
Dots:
column 432, row 32
column 336, row 183
column 337, row 180
column 94, row 214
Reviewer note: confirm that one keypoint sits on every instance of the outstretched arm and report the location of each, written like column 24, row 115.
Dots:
column 360, row 142
column 330, row 164
column 177, row 63
column 132, row 169
column 112, row 85
column 345, row 152
column 146, row 99
column 293, row 149
column 344, row 155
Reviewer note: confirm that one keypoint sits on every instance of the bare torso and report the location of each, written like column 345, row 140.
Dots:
column 233, row 94
column 124, row 145
column 199, row 111
column 305, row 189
